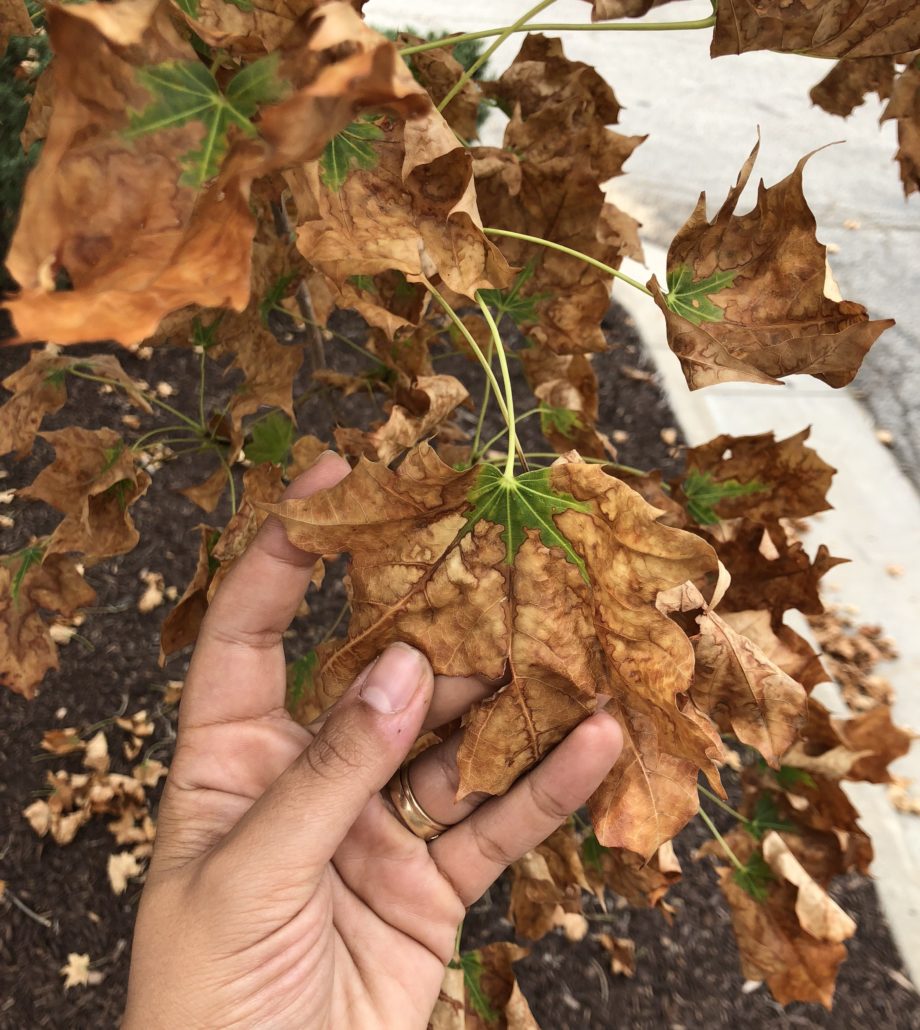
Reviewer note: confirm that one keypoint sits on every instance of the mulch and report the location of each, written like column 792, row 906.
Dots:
column 687, row 973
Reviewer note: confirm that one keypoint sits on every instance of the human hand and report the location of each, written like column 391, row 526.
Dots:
column 283, row 891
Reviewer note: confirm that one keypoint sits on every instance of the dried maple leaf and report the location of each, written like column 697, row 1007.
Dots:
column 493, row 997
column 622, row 954
column 793, row 958
column 782, row 645
column 738, row 686
column 755, row 477
column 409, row 206
column 14, row 21
column 848, row 83
column 438, row 71
column 904, row 108
column 180, row 627
column 29, row 585
column 832, row 28
column 416, row 414
column 547, row 183
column 770, row 571
column 466, row 566
column 642, row 882
column 746, row 294
column 133, row 263
column 93, row 480
column 39, row 389
column 606, row 10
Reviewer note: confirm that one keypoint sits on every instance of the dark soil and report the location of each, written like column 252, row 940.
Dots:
column 687, row 973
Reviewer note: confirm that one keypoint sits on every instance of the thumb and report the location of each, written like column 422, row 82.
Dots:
column 298, row 824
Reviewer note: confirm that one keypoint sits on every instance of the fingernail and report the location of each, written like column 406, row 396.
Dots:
column 394, row 679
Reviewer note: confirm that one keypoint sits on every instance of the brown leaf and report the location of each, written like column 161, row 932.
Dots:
column 750, row 294
column 643, row 883
column 547, row 182
column 847, row 84
column 14, row 21
column 774, row 947
column 834, row 28
column 93, row 480
column 904, row 108
column 418, row 575
column 793, row 481
column 770, row 571
column 27, row 650
column 741, row 689
column 181, row 625
column 96, row 756
column 417, row 413
column 304, row 452
column 133, row 263
column 782, row 645
column 39, row 389
column 413, row 211
column 499, row 987
column 622, row 954
column 62, row 742
column 438, row 70
column 122, row 866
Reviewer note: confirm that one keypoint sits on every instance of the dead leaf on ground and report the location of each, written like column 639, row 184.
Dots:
column 77, row 973
column 122, row 866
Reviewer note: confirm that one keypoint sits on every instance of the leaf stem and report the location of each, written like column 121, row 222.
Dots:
column 716, row 800
column 501, row 433
column 154, row 399
column 508, row 30
column 591, row 461
column 325, row 329
column 487, row 393
column 503, row 34
column 723, row 843
column 509, row 391
column 616, row 273
column 201, row 363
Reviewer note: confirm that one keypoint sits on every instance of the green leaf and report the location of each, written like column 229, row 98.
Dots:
column 591, row 852
column 271, row 439
column 186, row 91
column 272, row 298
column 349, row 149
column 788, row 777
column 525, row 502
column 300, row 679
column 471, row 964
column 365, row 283
column 755, row 877
column 560, row 420
column 703, row 494
column 766, row 818
column 189, row 7
column 521, row 310
column 691, row 300
column 28, row 556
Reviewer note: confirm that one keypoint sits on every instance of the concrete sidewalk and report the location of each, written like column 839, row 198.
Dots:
column 875, row 523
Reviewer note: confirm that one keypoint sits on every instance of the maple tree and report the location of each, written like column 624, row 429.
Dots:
column 210, row 171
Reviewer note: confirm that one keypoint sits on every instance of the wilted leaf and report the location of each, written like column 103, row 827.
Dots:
column 471, row 585
column 748, row 294
column 782, row 645
column 832, row 28
column 622, row 954
column 29, row 585
column 417, row 413
column 756, row 477
column 180, row 627
column 39, row 389
column 643, row 883
column 438, row 70
column 93, row 480
column 14, row 21
column 848, row 83
column 493, row 997
column 774, row 946
column 904, row 108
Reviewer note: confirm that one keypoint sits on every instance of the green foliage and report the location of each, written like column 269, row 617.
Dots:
column 766, row 818
column 186, row 91
column 26, row 558
column 591, row 852
column 521, row 310
column 271, row 439
column 560, row 420
column 691, row 300
column 525, row 502
column 351, row 148
column 704, row 494
column 754, row 877
column 471, row 964
column 300, row 679
column 788, row 777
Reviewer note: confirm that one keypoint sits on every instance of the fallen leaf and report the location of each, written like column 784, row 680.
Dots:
column 622, row 954
column 152, row 597
column 746, row 294
column 471, row 585
column 122, row 866
column 96, row 756
column 77, row 973
column 62, row 742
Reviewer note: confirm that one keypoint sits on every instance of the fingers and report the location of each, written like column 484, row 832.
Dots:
column 473, row 854
column 297, row 825
column 237, row 670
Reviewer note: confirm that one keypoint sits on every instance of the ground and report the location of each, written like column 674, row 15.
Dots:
column 687, row 972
